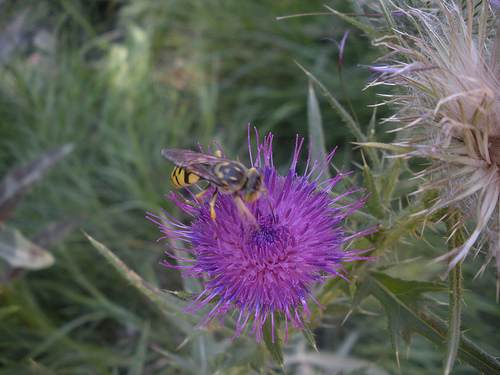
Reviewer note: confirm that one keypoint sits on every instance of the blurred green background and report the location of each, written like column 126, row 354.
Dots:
column 121, row 80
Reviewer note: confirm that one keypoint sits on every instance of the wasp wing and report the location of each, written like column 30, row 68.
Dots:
column 194, row 162
column 184, row 158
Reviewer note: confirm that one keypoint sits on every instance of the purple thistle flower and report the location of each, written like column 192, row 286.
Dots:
column 269, row 268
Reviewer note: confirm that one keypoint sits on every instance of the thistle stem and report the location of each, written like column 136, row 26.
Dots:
column 456, row 238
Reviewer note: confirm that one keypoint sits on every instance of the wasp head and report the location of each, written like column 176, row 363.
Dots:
column 254, row 185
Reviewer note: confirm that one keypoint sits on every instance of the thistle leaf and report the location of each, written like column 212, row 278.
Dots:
column 352, row 21
column 403, row 302
column 308, row 335
column 344, row 114
column 315, row 124
column 374, row 204
column 270, row 334
column 184, row 295
column 159, row 297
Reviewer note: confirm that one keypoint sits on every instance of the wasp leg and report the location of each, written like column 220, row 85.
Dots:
column 212, row 211
column 200, row 195
column 243, row 209
column 212, row 206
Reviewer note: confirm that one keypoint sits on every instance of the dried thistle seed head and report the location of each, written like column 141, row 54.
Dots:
column 449, row 72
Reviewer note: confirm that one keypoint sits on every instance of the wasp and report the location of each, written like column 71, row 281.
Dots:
column 227, row 176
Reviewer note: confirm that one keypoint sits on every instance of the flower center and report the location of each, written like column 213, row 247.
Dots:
column 266, row 235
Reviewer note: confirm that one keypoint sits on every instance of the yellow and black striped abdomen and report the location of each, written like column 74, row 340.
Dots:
column 180, row 177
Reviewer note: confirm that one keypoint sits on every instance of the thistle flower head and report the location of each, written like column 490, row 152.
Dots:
column 449, row 70
column 271, row 265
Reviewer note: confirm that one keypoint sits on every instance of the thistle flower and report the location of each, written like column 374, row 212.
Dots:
column 450, row 75
column 269, row 268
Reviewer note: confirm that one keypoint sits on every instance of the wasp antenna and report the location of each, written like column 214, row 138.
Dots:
column 270, row 206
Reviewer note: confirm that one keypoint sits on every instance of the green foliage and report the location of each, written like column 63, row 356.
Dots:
column 273, row 342
column 121, row 81
column 409, row 311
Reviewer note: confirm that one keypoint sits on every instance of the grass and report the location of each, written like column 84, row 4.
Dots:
column 121, row 81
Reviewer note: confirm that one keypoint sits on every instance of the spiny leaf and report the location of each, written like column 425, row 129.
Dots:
column 387, row 15
column 272, row 341
column 407, row 291
column 344, row 114
column 183, row 295
column 402, row 301
column 315, row 125
column 374, row 205
column 308, row 335
column 400, row 149
column 390, row 180
column 355, row 23
column 161, row 298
